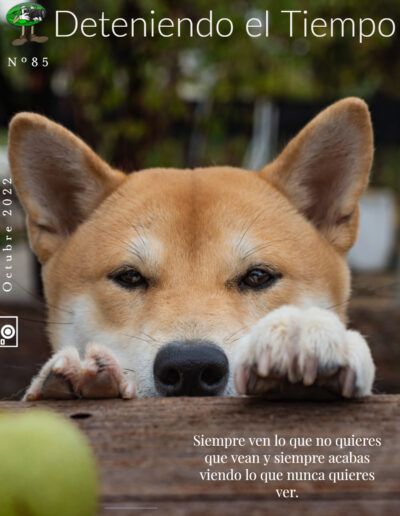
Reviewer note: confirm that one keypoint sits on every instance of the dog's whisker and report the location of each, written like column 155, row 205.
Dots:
column 118, row 240
column 115, row 238
column 332, row 307
column 136, row 337
column 386, row 285
column 11, row 366
column 55, row 323
column 263, row 246
column 241, row 330
column 15, row 395
column 137, row 227
column 149, row 336
column 41, row 301
column 370, row 290
column 235, row 340
column 41, row 321
column 247, row 229
column 133, row 250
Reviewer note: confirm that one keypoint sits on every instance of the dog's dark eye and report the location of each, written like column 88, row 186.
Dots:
column 129, row 278
column 258, row 278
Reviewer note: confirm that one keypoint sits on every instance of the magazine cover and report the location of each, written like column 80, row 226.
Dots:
column 200, row 257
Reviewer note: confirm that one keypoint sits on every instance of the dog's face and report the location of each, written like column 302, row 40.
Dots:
column 175, row 265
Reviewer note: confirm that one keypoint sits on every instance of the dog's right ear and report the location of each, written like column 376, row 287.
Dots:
column 58, row 178
column 324, row 170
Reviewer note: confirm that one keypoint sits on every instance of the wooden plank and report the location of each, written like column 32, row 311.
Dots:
column 147, row 458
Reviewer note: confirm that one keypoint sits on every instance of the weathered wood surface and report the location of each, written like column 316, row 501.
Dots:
column 149, row 464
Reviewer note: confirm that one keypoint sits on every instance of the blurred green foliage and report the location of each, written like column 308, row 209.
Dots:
column 133, row 99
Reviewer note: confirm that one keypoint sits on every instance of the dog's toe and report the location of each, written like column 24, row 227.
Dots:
column 102, row 376
column 57, row 386
column 294, row 351
column 58, row 377
column 65, row 376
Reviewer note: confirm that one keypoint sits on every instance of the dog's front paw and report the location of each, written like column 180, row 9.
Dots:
column 66, row 376
column 310, row 347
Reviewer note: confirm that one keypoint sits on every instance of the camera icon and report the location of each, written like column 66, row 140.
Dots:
column 8, row 331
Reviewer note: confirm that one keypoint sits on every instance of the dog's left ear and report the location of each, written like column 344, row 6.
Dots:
column 60, row 181
column 325, row 168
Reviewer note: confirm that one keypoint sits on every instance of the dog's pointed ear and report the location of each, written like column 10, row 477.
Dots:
column 58, row 178
column 325, row 168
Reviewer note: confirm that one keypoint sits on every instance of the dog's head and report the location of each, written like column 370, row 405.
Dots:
column 169, row 268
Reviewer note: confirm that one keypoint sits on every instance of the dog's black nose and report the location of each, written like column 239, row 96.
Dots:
column 190, row 369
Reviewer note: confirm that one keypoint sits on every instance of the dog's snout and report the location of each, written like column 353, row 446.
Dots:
column 190, row 369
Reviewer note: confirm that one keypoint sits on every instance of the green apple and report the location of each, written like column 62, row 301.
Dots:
column 47, row 467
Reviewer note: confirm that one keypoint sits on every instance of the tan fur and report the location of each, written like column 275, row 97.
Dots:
column 195, row 231
column 325, row 169
column 56, row 198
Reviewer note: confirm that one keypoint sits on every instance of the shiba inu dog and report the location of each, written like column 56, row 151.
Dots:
column 212, row 281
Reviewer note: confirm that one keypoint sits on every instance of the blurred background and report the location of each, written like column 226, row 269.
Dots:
column 177, row 102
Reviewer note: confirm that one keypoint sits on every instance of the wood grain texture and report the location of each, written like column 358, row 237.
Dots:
column 148, row 462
